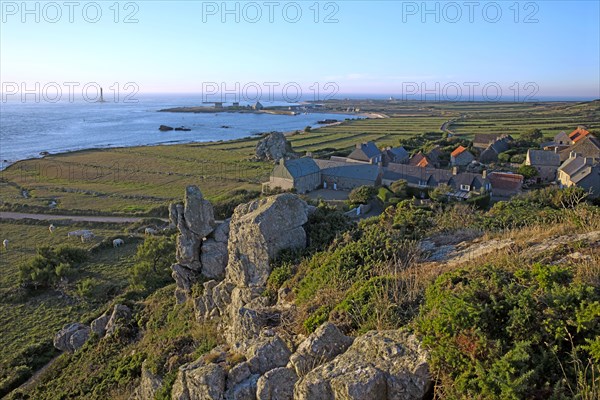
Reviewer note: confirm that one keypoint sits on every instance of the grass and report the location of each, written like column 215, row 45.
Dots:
column 28, row 321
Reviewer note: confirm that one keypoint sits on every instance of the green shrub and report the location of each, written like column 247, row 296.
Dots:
column 153, row 260
column 495, row 334
column 527, row 171
column 362, row 194
column 50, row 265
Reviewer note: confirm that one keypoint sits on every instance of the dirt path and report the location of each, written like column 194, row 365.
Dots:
column 80, row 218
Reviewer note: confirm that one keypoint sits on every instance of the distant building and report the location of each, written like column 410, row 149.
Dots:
column 545, row 162
column 258, row 106
column 505, row 184
column 236, row 104
column 578, row 134
column 587, row 146
column 461, row 157
column 218, row 104
column 348, row 175
column 301, row 174
column 464, row 184
column 434, row 155
column 366, row 152
column 582, row 172
column 562, row 139
column 397, row 155
column 482, row 141
column 491, row 153
column 420, row 160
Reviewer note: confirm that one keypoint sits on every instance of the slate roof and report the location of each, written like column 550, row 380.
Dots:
column 348, row 170
column 500, row 146
column 576, row 168
column 543, row 158
column 399, row 153
column 484, row 139
column 365, row 152
column 432, row 176
column 302, row 167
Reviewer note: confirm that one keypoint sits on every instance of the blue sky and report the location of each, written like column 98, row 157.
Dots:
column 374, row 47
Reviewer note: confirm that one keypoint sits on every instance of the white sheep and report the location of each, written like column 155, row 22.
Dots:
column 51, row 228
column 5, row 244
column 87, row 237
column 118, row 242
column 150, row 231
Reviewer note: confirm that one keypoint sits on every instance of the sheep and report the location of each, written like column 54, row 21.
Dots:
column 87, row 237
column 150, row 231
column 5, row 244
column 118, row 242
column 51, row 228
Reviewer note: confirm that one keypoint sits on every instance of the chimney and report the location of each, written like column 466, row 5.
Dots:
column 309, row 154
column 282, row 161
column 358, row 145
column 454, row 170
column 484, row 174
column 556, row 149
column 589, row 161
column 572, row 154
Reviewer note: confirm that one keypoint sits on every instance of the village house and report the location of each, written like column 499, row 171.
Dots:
column 347, row 175
column 302, row 174
column 505, row 184
column 258, row 106
column 366, row 152
column 397, row 155
column 420, row 160
column 461, row 157
column 587, row 146
column 582, row 172
column 491, row 153
column 464, row 185
column 545, row 162
column 578, row 134
column 562, row 139
column 434, row 156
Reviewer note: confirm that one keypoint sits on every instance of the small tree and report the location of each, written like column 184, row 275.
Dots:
column 152, row 262
column 527, row 171
column 399, row 188
column 534, row 135
column 440, row 194
column 307, row 129
column 362, row 194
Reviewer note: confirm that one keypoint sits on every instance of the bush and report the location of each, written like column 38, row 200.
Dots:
column 152, row 268
column 399, row 188
column 362, row 194
column 527, row 171
column 517, row 158
column 50, row 265
column 496, row 334
column 504, row 157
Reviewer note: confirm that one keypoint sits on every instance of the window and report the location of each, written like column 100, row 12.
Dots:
column 466, row 188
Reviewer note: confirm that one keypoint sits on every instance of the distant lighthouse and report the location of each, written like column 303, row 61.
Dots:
column 101, row 100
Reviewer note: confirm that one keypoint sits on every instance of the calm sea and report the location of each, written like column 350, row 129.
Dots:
column 26, row 129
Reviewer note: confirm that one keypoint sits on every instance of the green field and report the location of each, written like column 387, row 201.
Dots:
column 28, row 320
column 139, row 180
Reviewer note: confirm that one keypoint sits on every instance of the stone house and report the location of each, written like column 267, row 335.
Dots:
column 301, row 174
column 366, row 152
column 348, row 175
column 587, row 146
column 482, row 141
column 258, row 106
column 461, row 157
column 397, row 155
column 420, row 160
column 505, row 184
column 545, row 162
column 490, row 154
column 582, row 172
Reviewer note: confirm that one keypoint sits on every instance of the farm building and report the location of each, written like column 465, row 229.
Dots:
column 301, row 174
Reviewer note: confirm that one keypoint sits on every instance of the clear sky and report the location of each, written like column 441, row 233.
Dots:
column 364, row 47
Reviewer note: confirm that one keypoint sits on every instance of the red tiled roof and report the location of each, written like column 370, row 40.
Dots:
column 459, row 150
column 505, row 181
column 578, row 134
column 423, row 162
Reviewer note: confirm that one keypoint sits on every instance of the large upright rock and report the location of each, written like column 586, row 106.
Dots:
column 199, row 381
column 259, row 230
column 198, row 212
column 381, row 365
column 274, row 147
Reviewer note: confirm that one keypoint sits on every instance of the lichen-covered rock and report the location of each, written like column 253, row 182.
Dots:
column 378, row 365
column 72, row 337
column 120, row 317
column 321, row 346
column 273, row 147
column 98, row 326
column 221, row 232
column 245, row 390
column 259, row 230
column 149, row 384
column 213, row 259
column 266, row 354
column 238, row 374
column 198, row 212
column 276, row 384
column 197, row 381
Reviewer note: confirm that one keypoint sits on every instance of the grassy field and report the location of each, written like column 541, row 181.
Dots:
column 28, row 321
column 139, row 180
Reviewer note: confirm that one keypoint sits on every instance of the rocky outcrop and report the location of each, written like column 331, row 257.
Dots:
column 72, row 337
column 98, row 326
column 195, row 221
column 274, row 147
column 277, row 384
column 320, row 347
column 150, row 384
column 119, row 319
column 199, row 381
column 378, row 365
